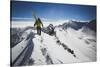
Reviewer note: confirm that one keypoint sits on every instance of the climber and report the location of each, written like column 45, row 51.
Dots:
column 38, row 25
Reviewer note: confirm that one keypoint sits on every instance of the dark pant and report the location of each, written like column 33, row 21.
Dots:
column 39, row 30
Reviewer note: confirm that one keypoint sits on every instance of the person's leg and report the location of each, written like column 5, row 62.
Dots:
column 39, row 31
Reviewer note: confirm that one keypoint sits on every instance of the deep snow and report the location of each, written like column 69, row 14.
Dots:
column 66, row 46
column 83, row 52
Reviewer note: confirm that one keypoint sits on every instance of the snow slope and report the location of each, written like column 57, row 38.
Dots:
column 48, row 51
column 81, row 48
column 66, row 46
column 22, row 50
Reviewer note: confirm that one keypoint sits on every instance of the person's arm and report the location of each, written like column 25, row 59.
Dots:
column 41, row 23
column 35, row 23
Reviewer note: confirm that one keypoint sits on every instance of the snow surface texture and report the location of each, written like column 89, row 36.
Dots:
column 65, row 46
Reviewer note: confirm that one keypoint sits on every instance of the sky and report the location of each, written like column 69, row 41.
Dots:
column 22, row 11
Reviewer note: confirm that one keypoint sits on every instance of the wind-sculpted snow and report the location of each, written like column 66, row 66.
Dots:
column 21, row 53
column 56, row 45
column 79, row 46
column 48, row 51
column 66, row 48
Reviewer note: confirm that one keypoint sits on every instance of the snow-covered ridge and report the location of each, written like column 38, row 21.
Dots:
column 63, row 45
